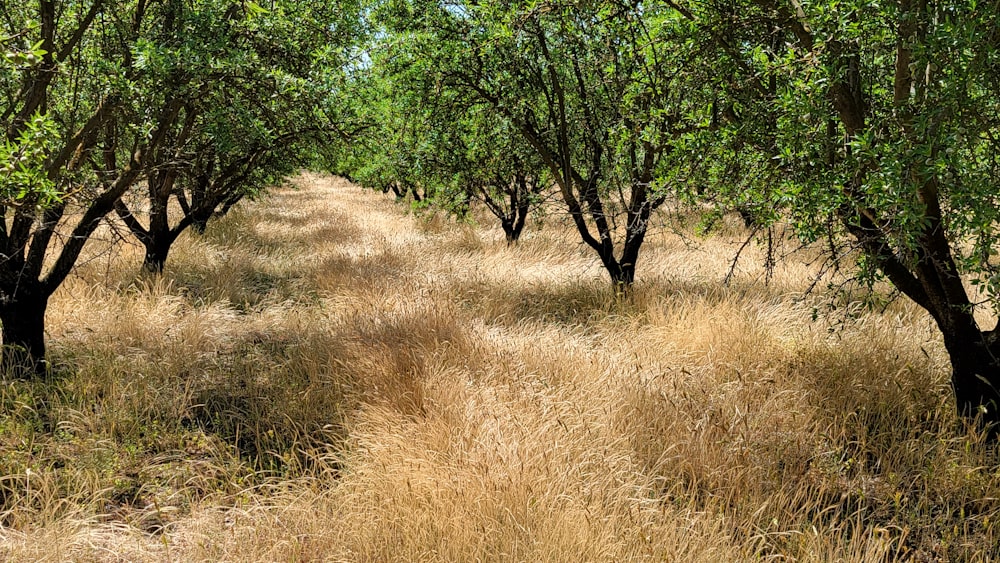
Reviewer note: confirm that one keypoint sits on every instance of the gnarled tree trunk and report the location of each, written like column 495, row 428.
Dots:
column 200, row 225
column 511, row 230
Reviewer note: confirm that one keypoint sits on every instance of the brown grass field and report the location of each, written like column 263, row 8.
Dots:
column 325, row 376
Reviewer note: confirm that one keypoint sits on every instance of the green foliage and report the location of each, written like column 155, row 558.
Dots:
column 207, row 101
column 872, row 127
column 942, row 130
column 256, row 94
column 23, row 178
column 600, row 96
column 27, row 58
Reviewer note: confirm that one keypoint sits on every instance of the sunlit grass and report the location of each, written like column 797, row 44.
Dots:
column 324, row 376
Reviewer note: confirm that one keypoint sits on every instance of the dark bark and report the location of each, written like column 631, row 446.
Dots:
column 522, row 216
column 513, row 225
column 157, row 250
column 23, row 318
column 200, row 225
column 228, row 204
column 28, row 273
column 411, row 189
column 508, row 231
column 931, row 279
column 158, row 245
column 200, row 216
column 520, row 205
column 394, row 187
column 158, row 238
column 622, row 273
column 514, row 213
column 927, row 274
column 975, row 379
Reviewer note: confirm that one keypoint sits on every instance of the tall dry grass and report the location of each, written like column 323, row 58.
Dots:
column 326, row 377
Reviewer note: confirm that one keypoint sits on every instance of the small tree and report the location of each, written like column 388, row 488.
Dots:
column 426, row 139
column 486, row 160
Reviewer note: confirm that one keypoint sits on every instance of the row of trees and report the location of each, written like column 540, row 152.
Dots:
column 871, row 123
column 113, row 105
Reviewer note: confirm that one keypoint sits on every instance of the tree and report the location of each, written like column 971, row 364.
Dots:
column 233, row 141
column 477, row 155
column 591, row 87
column 456, row 151
column 392, row 103
column 62, row 89
column 886, row 125
column 104, row 93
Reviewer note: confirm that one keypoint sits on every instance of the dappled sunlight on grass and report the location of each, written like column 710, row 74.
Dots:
column 327, row 376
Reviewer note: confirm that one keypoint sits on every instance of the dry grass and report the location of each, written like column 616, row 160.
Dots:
column 325, row 377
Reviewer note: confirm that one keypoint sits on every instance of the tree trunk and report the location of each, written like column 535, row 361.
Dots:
column 625, row 277
column 521, row 209
column 514, row 234
column 159, row 236
column 512, row 222
column 228, row 204
column 622, row 274
column 975, row 377
column 200, row 225
column 200, row 216
column 508, row 231
column 23, row 319
column 155, row 259
column 157, row 248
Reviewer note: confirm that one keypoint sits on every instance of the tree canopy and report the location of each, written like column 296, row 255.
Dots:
column 593, row 91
